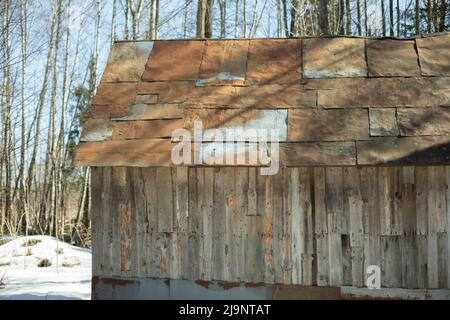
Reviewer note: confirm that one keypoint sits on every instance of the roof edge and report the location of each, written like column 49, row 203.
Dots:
column 438, row 34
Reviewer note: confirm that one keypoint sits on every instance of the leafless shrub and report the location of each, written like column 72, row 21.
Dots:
column 31, row 242
column 44, row 263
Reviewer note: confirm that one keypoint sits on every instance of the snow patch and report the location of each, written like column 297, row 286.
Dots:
column 68, row 276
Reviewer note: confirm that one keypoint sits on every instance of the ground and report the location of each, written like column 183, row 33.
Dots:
column 46, row 269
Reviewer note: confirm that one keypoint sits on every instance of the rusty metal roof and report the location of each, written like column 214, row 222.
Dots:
column 336, row 101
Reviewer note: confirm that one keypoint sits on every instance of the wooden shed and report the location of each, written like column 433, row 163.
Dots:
column 364, row 154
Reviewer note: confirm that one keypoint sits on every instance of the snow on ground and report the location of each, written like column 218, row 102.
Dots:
column 68, row 277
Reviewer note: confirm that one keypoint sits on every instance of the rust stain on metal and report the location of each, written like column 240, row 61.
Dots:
column 95, row 280
column 254, row 285
column 114, row 282
column 203, row 283
column 163, row 264
column 349, row 296
column 229, row 285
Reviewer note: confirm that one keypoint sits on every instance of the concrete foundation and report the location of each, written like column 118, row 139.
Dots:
column 118, row 288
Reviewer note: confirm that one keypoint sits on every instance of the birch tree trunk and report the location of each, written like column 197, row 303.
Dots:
column 383, row 18
column 209, row 18
column 285, row 19
column 186, row 18
column 341, row 17
column 113, row 22
column 348, row 26
column 236, row 19
column 429, row 16
column 223, row 17
column 366, row 29
column 398, row 18
column 417, row 17
column 358, row 17
column 201, row 15
column 391, row 18
column 154, row 19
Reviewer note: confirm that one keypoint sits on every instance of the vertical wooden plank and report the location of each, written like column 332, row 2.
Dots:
column 433, row 227
column 269, row 270
column 218, row 226
column 408, row 201
column 347, row 275
column 181, row 239
column 231, row 256
column 440, row 196
column 296, row 236
column 422, row 261
column 337, row 226
column 207, row 189
column 251, row 192
column 334, row 192
column 432, row 265
column 96, row 213
column 335, row 248
column 242, row 209
column 107, row 222
column 409, row 255
column 371, row 207
column 181, row 198
column 119, row 208
column 321, row 227
column 151, row 219
column 174, row 252
column 409, row 226
column 391, row 262
column 254, row 269
column 421, row 185
column 195, row 236
column 287, row 227
column 162, row 254
column 320, row 210
column 165, row 205
column 442, row 259
column 389, row 192
column 278, row 236
column 323, row 264
column 174, row 268
column 139, row 224
column 165, row 199
column 307, row 227
column 355, row 225
column 260, row 194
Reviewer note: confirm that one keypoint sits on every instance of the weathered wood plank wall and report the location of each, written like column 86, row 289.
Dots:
column 308, row 226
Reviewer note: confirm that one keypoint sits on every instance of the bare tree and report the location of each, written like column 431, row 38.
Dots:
column 429, row 16
column 417, row 17
column 391, row 18
column 324, row 27
column 154, row 19
column 358, row 17
column 341, row 17
column 201, row 17
column 443, row 11
column 348, row 19
column 223, row 17
column 383, row 18
column 295, row 18
column 366, row 25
